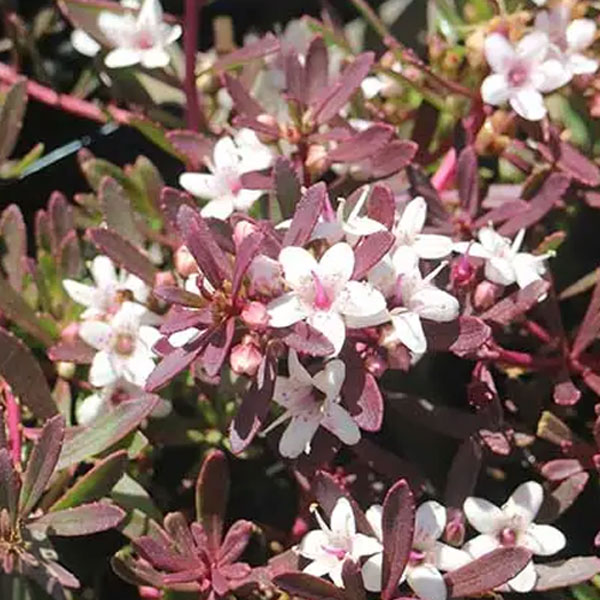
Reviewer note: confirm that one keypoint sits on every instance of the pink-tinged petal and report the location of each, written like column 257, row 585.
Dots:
column 371, row 573
column 104, row 272
column 383, row 276
column 447, row 558
column 362, row 305
column 495, row 89
column 365, row 545
column 203, row 185
column 297, row 370
column 413, row 218
column 90, row 408
column 374, row 515
column 500, row 270
column 96, row 334
column 332, row 326
column 580, row 34
column 183, row 337
column 533, row 47
column 312, row 545
column 342, row 518
column 150, row 15
column 331, row 379
column 529, row 104
column 80, row 293
column 435, row 304
column 481, row 544
column 292, row 394
column 338, row 420
column 499, row 52
column 299, row 433
column 525, row 501
column 544, row 540
column 220, row 208
column 579, row 64
column 225, row 154
column 122, row 57
column 525, row 581
column 102, row 371
column 483, row 515
column 427, row 582
column 551, row 75
column 245, row 199
column 156, row 58
column 527, row 269
column 405, row 259
column 409, row 331
column 320, row 567
column 285, row 310
column 336, row 266
column 430, row 520
column 472, row 249
column 298, row 267
column 429, row 246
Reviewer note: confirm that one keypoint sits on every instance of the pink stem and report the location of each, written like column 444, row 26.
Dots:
column 190, row 41
column 442, row 178
column 13, row 418
column 526, row 360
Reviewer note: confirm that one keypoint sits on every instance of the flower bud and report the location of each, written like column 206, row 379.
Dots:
column 316, row 159
column 185, row 263
column 164, row 278
column 462, row 272
column 66, row 370
column 376, row 365
column 241, row 231
column 265, row 276
column 485, row 295
column 70, row 334
column 255, row 315
column 147, row 592
column 245, row 358
column 454, row 533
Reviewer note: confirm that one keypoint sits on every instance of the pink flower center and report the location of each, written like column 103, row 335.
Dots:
column 145, row 40
column 518, row 75
column 508, row 537
column 322, row 300
column 124, row 344
column 416, row 557
column 235, row 185
column 339, row 553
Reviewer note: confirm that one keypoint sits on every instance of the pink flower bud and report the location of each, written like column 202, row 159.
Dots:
column 245, row 358
column 485, row 295
column 455, row 527
column 241, row 231
column 299, row 529
column 255, row 315
column 164, row 278
column 462, row 272
column 265, row 277
column 70, row 333
column 376, row 365
column 149, row 593
column 185, row 263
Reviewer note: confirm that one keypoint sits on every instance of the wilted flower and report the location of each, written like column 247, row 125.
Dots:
column 512, row 525
column 329, row 546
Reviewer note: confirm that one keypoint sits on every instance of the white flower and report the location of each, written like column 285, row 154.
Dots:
column 141, row 38
column 512, row 525
column 504, row 264
column 110, row 288
column 428, row 557
column 323, row 294
column 124, row 346
column 520, row 74
column 411, row 244
column 568, row 38
column 311, row 402
column 539, row 2
column 328, row 547
column 223, row 187
column 417, row 298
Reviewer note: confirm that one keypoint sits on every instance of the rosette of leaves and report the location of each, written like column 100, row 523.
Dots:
column 196, row 557
column 28, row 519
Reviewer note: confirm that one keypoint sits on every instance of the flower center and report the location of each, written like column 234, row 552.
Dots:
column 416, row 557
column 339, row 553
column 321, row 300
column 124, row 344
column 235, row 185
column 145, row 40
column 518, row 75
column 508, row 537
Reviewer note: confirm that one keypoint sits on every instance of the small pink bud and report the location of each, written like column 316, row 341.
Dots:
column 70, row 333
column 241, row 231
column 245, row 358
column 455, row 527
column 376, row 365
column 265, row 277
column 149, row 593
column 255, row 315
column 299, row 529
column 462, row 272
column 164, row 278
column 185, row 263
column 596, row 461
column 485, row 295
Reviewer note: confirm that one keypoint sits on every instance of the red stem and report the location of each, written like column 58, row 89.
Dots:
column 538, row 331
column 13, row 420
column 526, row 360
column 190, row 41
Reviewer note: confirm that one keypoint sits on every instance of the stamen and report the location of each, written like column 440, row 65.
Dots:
column 321, row 301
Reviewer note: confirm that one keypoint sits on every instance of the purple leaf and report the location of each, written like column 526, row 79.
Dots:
column 42, row 462
column 9, row 484
column 505, row 211
column 61, row 218
column 269, row 44
column 173, row 294
column 202, row 245
column 243, row 102
column 172, row 364
column 517, row 304
column 306, row 216
column 82, row 520
column 269, row 130
column 316, row 69
column 562, row 498
column 69, row 256
column 334, row 98
column 171, row 200
column 486, row 573
column 463, row 336
column 178, row 319
column 11, row 116
column 286, row 185
column 394, row 157
column 295, row 77
column 370, row 251
column 381, row 205
column 306, row 586
column 306, row 339
column 235, row 542
column 117, row 210
column 362, row 145
column 421, row 186
column 561, row 468
column 192, row 145
column 246, row 253
column 371, row 405
column 76, row 351
column 564, row 573
column 589, row 328
column 572, row 162
column 353, row 583
column 162, row 557
column 468, row 180
column 24, row 375
column 217, row 347
column 123, row 253
column 398, row 521
column 463, row 473
column 14, row 238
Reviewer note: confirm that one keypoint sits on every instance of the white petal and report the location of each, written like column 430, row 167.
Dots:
column 374, row 516
column 551, row 75
column 533, row 47
column 338, row 420
column 525, row 501
column 527, row 268
column 118, row 29
column 371, row 573
column 482, row 514
column 409, row 331
column 360, row 226
column 96, row 333
column 491, row 241
column 364, row 545
column 297, row 370
column 84, row 44
column 321, row 567
column 529, row 104
column 312, row 544
column 330, row 379
column 332, row 326
column 220, row 208
column 430, row 520
column 122, row 57
column 291, row 393
column 405, row 259
column 225, row 154
column 104, row 273
column 150, row 14
column 448, row 558
column 102, row 371
column 427, row 582
column 545, row 540
column 413, row 217
column 495, row 89
column 579, row 64
column 336, row 266
column 203, row 185
column 298, row 434
column 362, row 305
column 434, row 304
column 90, row 408
column 173, row 34
column 500, row 270
column 149, row 336
column 245, row 199
column 499, row 52
column 183, row 337
column 285, row 310
column 80, row 293
column 383, row 276
column 342, row 518
column 525, row 581
column 336, row 574
column 481, row 544
column 580, row 34
column 298, row 267
column 156, row 58
column 138, row 367
column 429, row 246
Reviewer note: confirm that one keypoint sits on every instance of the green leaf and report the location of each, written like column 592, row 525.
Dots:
column 11, row 117
column 16, row 168
column 585, row 591
column 131, row 495
column 156, row 133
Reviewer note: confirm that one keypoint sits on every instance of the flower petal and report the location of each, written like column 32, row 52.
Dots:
column 371, row 572
column 97, row 334
column 298, row 267
column 525, row 581
column 525, row 501
column 312, row 544
column 332, row 326
column 427, row 582
column 434, row 304
column 409, row 331
column 500, row 271
column 430, row 520
column 529, row 104
column 495, row 89
column 481, row 544
column 551, row 75
column 298, row 434
column 320, row 567
column 527, row 269
column 533, row 47
column 80, row 293
column 225, row 154
column 330, row 379
column 122, row 57
column 84, row 43
column 338, row 420
column 448, row 558
column 219, row 208
column 102, row 371
column 365, row 545
column 336, row 266
column 579, row 64
column 374, row 516
column 342, row 518
column 203, row 185
column 499, row 52
column 297, row 370
column 155, row 58
column 580, row 34
column 104, row 272
column 362, row 305
column 482, row 514
column 544, row 540
column 430, row 246
column 285, row 310
column 90, row 408
column 405, row 259
column 413, row 217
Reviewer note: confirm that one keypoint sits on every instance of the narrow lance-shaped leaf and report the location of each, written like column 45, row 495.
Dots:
column 117, row 210
column 468, row 180
column 259, row 49
column 286, row 185
column 306, row 215
column 11, row 117
column 9, row 484
column 566, row 572
column 304, row 585
column 353, row 583
column 14, row 238
column 41, row 464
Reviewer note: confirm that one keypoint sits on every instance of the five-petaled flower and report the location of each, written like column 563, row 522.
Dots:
column 329, row 546
column 310, row 402
column 512, row 525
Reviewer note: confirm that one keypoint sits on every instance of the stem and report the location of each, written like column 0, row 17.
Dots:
column 13, row 420
column 190, row 41
column 526, row 360
column 538, row 331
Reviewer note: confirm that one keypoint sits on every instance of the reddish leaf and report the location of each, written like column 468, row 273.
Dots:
column 572, row 162
column 235, row 541
column 564, row 573
column 82, row 520
column 316, row 69
column 306, row 586
column 76, row 351
column 217, row 347
column 421, row 186
column 306, row 216
column 468, row 180
column 381, row 205
column 306, row 339
column 505, row 211
column 246, row 253
column 172, row 364
column 9, row 484
column 173, row 294
column 371, row 404
column 463, row 336
column 192, row 145
column 394, row 157
column 353, row 583
column 162, row 557
column 242, row 100
column 516, row 304
column 69, row 256
column 463, row 473
column 294, row 77
column 117, row 210
column 589, row 328
column 487, row 573
column 563, row 497
column 370, row 251
column 561, row 468
column 269, row 44
column 286, row 185
column 398, row 521
column 362, row 145
column 14, row 238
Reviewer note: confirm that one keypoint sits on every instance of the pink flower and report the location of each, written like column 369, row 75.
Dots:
column 245, row 358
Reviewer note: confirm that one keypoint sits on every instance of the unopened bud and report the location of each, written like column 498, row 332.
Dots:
column 241, row 231
column 255, row 315
column 454, row 533
column 316, row 159
column 265, row 277
column 70, row 334
column 185, row 263
column 485, row 295
column 66, row 370
column 245, row 358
